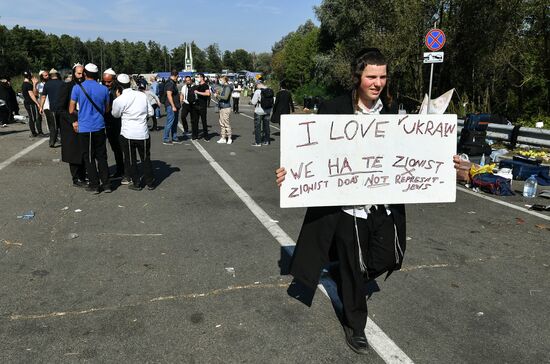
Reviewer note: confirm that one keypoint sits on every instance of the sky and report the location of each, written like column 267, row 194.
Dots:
column 253, row 25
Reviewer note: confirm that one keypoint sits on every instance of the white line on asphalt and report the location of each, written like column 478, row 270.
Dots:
column 507, row 204
column 379, row 341
column 15, row 157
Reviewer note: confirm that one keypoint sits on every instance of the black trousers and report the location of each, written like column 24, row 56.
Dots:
column 376, row 236
column 154, row 117
column 194, row 122
column 35, row 119
column 202, row 115
column 185, row 110
column 53, row 125
column 131, row 148
column 94, row 149
column 113, row 133
column 78, row 172
column 236, row 104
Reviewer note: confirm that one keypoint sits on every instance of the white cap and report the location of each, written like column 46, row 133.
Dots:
column 90, row 67
column 123, row 78
column 109, row 71
column 76, row 65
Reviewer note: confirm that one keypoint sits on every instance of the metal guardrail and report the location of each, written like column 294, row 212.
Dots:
column 528, row 136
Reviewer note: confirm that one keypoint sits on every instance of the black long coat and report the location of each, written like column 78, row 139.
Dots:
column 314, row 246
column 283, row 105
column 70, row 147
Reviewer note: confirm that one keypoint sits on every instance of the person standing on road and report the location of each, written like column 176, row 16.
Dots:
column 133, row 108
column 112, row 124
column 236, row 95
column 93, row 101
column 70, row 147
column 369, row 240
column 185, row 105
column 154, row 101
column 51, row 92
column 173, row 106
column 202, row 91
column 263, row 102
column 154, row 88
column 283, row 103
column 11, row 106
column 29, row 91
column 224, row 104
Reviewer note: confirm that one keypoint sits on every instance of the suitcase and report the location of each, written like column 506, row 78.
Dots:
column 522, row 170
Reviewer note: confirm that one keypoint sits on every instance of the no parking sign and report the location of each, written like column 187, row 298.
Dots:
column 435, row 39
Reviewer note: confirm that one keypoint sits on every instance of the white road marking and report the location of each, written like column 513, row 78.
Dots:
column 507, row 204
column 379, row 341
column 15, row 157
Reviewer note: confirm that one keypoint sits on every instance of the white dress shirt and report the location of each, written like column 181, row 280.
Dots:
column 133, row 109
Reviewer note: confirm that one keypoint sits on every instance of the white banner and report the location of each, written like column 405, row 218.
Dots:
column 341, row 160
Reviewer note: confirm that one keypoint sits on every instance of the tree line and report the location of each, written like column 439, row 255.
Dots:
column 30, row 49
column 497, row 54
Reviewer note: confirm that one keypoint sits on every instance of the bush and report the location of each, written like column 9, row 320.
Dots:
column 309, row 89
column 530, row 122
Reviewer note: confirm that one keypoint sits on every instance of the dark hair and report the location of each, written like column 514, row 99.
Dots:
column 202, row 75
column 367, row 56
column 92, row 75
column 282, row 84
column 174, row 73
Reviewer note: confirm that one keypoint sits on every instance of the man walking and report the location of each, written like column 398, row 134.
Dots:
column 133, row 109
column 263, row 101
column 112, row 124
column 93, row 101
column 173, row 106
column 187, row 98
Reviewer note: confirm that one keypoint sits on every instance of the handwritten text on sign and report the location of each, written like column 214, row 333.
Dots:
column 340, row 160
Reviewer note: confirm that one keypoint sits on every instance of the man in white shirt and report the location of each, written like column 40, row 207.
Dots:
column 133, row 109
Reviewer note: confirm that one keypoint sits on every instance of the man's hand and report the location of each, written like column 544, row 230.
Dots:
column 280, row 173
column 174, row 109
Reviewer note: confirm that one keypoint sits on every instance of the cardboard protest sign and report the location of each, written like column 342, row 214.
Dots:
column 341, row 160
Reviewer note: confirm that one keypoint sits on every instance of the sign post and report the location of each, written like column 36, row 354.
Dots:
column 434, row 41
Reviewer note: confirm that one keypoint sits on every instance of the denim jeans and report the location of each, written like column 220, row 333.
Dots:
column 261, row 128
column 171, row 124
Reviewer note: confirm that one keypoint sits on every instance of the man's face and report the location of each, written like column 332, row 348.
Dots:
column 201, row 79
column 45, row 75
column 188, row 80
column 108, row 80
column 78, row 72
column 373, row 81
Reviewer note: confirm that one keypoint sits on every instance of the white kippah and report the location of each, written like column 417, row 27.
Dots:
column 109, row 71
column 90, row 67
column 123, row 78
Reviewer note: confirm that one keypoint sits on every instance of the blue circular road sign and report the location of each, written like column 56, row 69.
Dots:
column 435, row 40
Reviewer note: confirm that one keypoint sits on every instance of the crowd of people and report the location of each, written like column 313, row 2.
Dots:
column 86, row 110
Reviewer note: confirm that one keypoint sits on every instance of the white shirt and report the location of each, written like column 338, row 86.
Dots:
column 256, row 98
column 363, row 210
column 133, row 109
column 236, row 92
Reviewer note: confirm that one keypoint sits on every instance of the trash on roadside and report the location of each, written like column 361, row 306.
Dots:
column 542, row 227
column 78, row 210
column 29, row 215
column 232, row 153
column 519, row 221
column 471, row 212
column 120, row 206
column 65, row 208
column 408, row 238
column 73, row 235
column 479, row 314
column 217, row 326
column 230, row 270
column 496, row 154
column 56, row 160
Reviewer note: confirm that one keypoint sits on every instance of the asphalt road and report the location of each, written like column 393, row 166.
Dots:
column 186, row 273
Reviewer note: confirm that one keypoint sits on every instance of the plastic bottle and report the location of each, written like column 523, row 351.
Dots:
column 482, row 162
column 530, row 187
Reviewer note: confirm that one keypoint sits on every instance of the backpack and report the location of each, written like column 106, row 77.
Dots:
column 493, row 184
column 162, row 94
column 266, row 100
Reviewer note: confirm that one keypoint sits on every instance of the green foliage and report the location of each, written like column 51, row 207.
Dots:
column 311, row 88
column 533, row 120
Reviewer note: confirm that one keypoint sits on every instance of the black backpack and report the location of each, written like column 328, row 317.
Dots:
column 266, row 100
column 162, row 94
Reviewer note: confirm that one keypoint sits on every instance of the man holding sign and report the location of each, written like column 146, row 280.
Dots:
column 369, row 240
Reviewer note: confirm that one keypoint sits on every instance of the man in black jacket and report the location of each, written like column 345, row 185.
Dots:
column 283, row 103
column 369, row 240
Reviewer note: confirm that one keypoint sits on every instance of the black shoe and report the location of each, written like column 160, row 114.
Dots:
column 134, row 187
column 78, row 183
column 42, row 135
column 116, row 175
column 357, row 342
column 93, row 190
column 107, row 188
column 52, row 145
column 151, row 187
column 33, row 135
